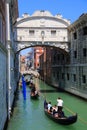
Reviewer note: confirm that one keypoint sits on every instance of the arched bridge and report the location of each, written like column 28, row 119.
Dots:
column 41, row 29
column 31, row 72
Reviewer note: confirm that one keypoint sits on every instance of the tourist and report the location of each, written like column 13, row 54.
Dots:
column 55, row 109
column 49, row 106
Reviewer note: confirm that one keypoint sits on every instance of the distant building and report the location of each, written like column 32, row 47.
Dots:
column 22, row 64
column 37, row 52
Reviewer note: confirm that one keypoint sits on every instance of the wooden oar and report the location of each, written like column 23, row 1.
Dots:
column 82, row 120
column 69, row 110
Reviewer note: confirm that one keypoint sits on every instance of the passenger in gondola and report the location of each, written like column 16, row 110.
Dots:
column 36, row 93
column 31, row 80
column 33, row 89
column 27, row 82
column 50, row 110
column 55, row 109
column 30, row 85
column 49, row 107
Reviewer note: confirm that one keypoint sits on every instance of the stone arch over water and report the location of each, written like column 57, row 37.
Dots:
column 41, row 29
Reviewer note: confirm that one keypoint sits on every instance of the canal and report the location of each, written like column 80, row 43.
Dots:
column 29, row 114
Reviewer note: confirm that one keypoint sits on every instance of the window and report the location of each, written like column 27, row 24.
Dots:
column 85, row 31
column 84, row 79
column 67, row 76
column 20, row 37
column 75, row 35
column 54, row 74
column 75, row 54
column 58, row 75
column 62, row 75
column 84, row 52
column 31, row 32
column 53, row 32
column 58, row 57
column 74, row 77
column 62, row 56
column 54, row 58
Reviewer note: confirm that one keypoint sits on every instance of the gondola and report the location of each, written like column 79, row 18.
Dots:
column 62, row 120
column 34, row 96
column 27, row 82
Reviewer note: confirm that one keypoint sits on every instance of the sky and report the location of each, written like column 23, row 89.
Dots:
column 69, row 9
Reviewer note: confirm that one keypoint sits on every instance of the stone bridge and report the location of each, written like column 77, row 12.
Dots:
column 41, row 29
column 29, row 72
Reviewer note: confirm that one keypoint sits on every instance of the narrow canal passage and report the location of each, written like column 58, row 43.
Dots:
column 29, row 114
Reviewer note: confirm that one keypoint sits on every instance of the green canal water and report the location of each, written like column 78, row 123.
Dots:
column 29, row 114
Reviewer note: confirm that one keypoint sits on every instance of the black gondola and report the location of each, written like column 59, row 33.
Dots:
column 34, row 96
column 27, row 82
column 62, row 120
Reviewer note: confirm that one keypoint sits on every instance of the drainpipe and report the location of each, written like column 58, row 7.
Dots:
column 8, row 49
column 19, row 66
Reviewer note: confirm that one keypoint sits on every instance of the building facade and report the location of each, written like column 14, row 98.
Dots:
column 52, row 66
column 3, row 70
column 7, row 50
column 68, row 70
column 77, row 82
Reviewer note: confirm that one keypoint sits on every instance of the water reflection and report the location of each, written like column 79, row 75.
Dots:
column 48, row 91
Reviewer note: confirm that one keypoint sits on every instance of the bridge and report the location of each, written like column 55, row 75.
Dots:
column 29, row 72
column 41, row 29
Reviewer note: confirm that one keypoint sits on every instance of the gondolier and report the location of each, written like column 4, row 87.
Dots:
column 59, row 104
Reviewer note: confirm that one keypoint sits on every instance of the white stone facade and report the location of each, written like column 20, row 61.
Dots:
column 28, row 30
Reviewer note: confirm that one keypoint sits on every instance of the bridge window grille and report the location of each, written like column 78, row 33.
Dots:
column 53, row 32
column 31, row 32
column 20, row 37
